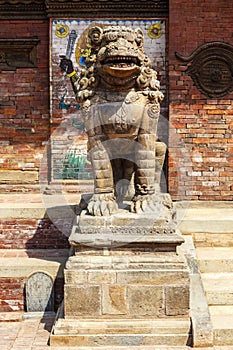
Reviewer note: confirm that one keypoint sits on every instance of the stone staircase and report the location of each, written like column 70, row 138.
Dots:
column 211, row 227
column 216, row 267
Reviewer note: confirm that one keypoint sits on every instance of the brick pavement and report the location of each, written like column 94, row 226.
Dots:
column 27, row 334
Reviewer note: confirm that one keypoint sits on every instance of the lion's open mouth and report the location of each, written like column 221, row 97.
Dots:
column 122, row 62
column 121, row 67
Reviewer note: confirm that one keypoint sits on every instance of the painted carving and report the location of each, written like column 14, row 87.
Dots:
column 211, row 68
column 120, row 97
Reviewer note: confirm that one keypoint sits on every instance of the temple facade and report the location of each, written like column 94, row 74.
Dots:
column 44, row 161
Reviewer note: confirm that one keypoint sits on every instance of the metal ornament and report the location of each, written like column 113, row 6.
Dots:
column 211, row 68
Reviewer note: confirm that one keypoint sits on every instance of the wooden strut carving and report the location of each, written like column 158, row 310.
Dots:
column 120, row 98
column 211, row 68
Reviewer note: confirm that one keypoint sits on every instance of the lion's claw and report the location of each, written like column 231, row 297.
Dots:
column 143, row 203
column 102, row 204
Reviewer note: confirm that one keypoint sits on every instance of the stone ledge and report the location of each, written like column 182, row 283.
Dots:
column 202, row 328
column 17, row 267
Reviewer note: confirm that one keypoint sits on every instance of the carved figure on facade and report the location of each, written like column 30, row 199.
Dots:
column 120, row 96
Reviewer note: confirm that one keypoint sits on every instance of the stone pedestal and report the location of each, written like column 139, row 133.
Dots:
column 126, row 284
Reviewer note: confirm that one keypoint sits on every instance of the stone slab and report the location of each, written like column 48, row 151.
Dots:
column 177, row 299
column 121, row 332
column 207, row 219
column 221, row 310
column 128, row 340
column 122, row 260
column 218, row 288
column 39, row 292
column 213, row 239
column 24, row 267
column 215, row 259
column 223, row 329
column 82, row 300
column 114, row 300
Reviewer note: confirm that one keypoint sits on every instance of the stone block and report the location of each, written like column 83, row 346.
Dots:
column 177, row 300
column 114, row 300
column 82, row 300
column 75, row 276
column 152, row 277
column 145, row 300
column 101, row 277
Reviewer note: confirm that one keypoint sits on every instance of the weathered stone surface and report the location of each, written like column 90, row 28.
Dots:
column 145, row 300
column 177, row 300
column 75, row 276
column 154, row 277
column 39, row 292
column 122, row 332
column 124, row 260
column 82, row 300
column 223, row 334
column 102, row 277
column 114, row 300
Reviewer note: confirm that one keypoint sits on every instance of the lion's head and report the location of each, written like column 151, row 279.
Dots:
column 116, row 62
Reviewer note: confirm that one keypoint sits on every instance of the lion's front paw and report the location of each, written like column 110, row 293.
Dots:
column 102, row 204
column 144, row 203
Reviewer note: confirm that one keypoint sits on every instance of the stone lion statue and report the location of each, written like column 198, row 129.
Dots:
column 120, row 97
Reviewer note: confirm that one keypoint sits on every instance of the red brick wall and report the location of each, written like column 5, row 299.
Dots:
column 24, row 107
column 34, row 234
column 201, row 142
column 11, row 294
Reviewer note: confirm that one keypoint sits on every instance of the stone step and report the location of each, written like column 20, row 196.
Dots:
column 215, row 259
column 210, row 223
column 222, row 321
column 213, row 239
column 216, row 310
column 120, row 332
column 206, row 219
column 142, row 347
column 223, row 329
column 218, row 288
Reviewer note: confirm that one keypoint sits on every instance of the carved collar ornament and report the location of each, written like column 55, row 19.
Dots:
column 34, row 9
column 211, row 68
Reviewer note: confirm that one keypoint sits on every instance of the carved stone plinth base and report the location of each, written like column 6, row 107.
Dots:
column 157, row 229
column 126, row 285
